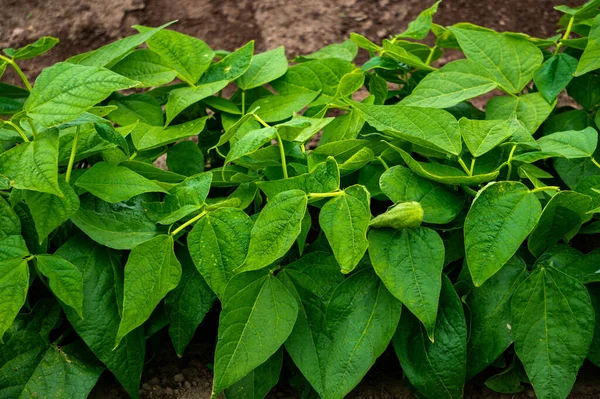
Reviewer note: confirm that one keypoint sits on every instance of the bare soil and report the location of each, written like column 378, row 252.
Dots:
column 302, row 26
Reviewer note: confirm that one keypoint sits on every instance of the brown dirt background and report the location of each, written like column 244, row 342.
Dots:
column 302, row 26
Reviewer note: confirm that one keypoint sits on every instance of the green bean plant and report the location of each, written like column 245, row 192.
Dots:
column 326, row 210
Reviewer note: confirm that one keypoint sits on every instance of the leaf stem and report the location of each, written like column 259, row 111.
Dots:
column 18, row 129
column 33, row 128
column 5, row 194
column 282, row 153
column 186, row 224
column 72, row 156
column 546, row 188
column 464, row 166
column 566, row 35
column 469, row 190
column 472, row 168
column 18, row 70
column 243, row 102
column 595, row 162
column 385, row 165
column 430, row 56
column 325, row 195
column 508, row 163
column 259, row 119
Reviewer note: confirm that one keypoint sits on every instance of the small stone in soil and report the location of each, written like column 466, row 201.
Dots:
column 168, row 391
column 178, row 378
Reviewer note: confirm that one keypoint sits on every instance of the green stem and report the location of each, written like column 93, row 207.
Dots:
column 508, row 163
column 547, row 188
column 18, row 129
column 5, row 194
column 186, row 224
column 469, row 190
column 595, row 162
column 464, row 166
column 472, row 168
column 243, row 102
column 566, row 35
column 325, row 195
column 385, row 165
column 430, row 56
column 72, row 157
column 132, row 157
column 282, row 153
column 259, row 119
column 19, row 71
column 33, row 129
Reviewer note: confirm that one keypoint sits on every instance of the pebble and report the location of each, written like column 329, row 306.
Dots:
column 169, row 391
column 187, row 385
column 179, row 378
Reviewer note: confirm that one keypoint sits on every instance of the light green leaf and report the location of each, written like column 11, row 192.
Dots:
column 279, row 107
column 9, row 221
column 218, row 245
column 512, row 60
column 50, row 211
column 146, row 67
column 561, row 218
column 455, row 82
column 146, row 137
column 400, row 54
column 257, row 317
column 500, row 219
column 264, row 68
column 322, row 179
column 152, row 270
column 122, row 225
column 187, row 304
column 553, row 325
column 14, row 283
column 489, row 307
column 346, row 51
column 39, row 47
column 107, row 56
column 442, row 173
column 440, row 204
column 180, row 99
column 436, row 369
column 343, row 127
column 345, row 219
column 531, row 109
column 349, row 83
column 65, row 280
column 589, row 60
column 257, row 383
column 136, row 108
column 431, row 128
column 65, row 91
column 361, row 319
column 113, row 183
column 300, row 129
column 276, row 229
column 571, row 144
column 364, row 43
column 554, row 75
column 231, row 66
column 399, row 216
column 251, row 142
column 189, row 56
column 12, row 247
column 419, row 28
column 34, row 165
column 483, row 136
column 102, row 302
column 410, row 263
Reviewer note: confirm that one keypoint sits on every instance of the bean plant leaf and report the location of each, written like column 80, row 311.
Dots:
column 589, row 59
column 189, row 56
column 102, row 303
column 482, row 136
column 551, row 356
column 264, row 68
column 147, row 67
column 180, row 99
column 39, row 47
column 440, row 204
column 276, row 229
column 231, row 66
column 453, row 83
column 361, row 318
column 218, row 245
column 410, row 263
column 430, row 128
column 34, row 165
column 65, row 280
column 489, row 307
column 345, row 219
column 187, row 304
column 113, row 183
column 257, row 383
column 500, row 219
column 258, row 315
column 14, row 283
column 419, row 28
column 65, row 91
column 510, row 59
column 152, row 270
column 554, row 75
column 437, row 369
column 561, row 218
